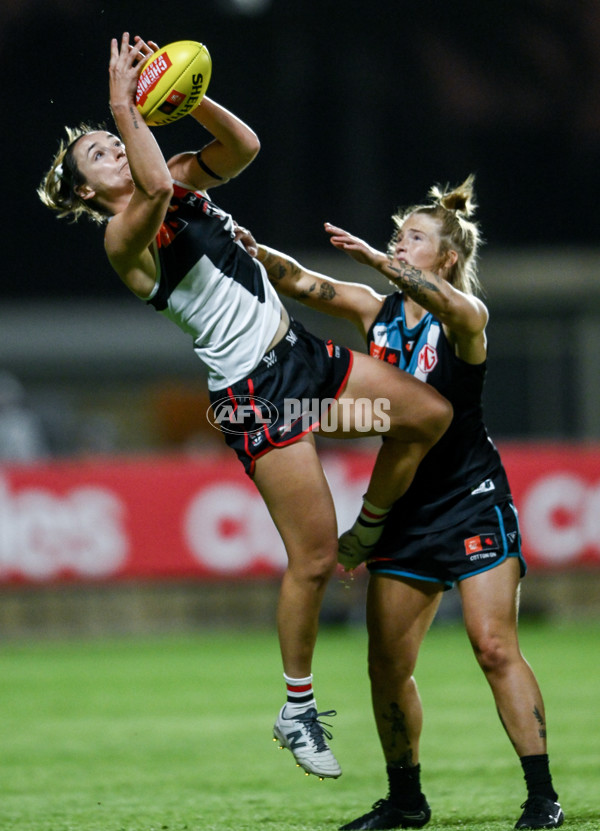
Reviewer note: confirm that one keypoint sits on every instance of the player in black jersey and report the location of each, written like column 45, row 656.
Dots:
column 177, row 250
column 457, row 522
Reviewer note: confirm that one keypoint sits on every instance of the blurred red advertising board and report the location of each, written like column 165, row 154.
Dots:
column 200, row 517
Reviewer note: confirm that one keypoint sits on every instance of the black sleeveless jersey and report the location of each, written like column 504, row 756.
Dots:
column 463, row 471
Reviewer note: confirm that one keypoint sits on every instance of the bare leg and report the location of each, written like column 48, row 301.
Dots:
column 399, row 614
column 293, row 486
column 490, row 608
column 418, row 417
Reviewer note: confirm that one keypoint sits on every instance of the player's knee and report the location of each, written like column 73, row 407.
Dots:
column 438, row 417
column 384, row 668
column 429, row 421
column 315, row 564
column 492, row 654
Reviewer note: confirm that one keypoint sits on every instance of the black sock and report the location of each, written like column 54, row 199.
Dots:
column 537, row 776
column 405, row 786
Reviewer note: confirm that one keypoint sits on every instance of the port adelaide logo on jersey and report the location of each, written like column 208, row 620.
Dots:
column 245, row 414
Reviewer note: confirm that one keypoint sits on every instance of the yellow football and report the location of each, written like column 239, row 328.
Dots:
column 173, row 82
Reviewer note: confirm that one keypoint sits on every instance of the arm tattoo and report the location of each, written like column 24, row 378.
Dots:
column 540, row 720
column 399, row 740
column 269, row 263
column 278, row 272
column 327, row 291
column 134, row 114
column 307, row 292
column 278, row 268
column 412, row 281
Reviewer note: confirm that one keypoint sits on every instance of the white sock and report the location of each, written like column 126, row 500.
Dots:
column 300, row 695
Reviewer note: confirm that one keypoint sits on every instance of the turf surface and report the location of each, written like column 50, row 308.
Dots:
column 174, row 733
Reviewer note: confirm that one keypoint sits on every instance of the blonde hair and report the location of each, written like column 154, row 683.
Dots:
column 58, row 187
column 452, row 209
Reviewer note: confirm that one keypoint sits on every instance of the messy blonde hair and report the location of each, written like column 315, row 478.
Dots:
column 452, row 209
column 58, row 187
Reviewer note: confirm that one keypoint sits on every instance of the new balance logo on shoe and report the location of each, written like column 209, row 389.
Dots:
column 295, row 740
column 305, row 736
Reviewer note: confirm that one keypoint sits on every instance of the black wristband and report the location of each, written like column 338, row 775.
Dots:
column 206, row 168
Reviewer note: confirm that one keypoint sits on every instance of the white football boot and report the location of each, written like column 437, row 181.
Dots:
column 305, row 735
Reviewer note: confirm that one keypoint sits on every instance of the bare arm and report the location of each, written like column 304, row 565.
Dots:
column 233, row 147
column 464, row 316
column 353, row 301
column 133, row 228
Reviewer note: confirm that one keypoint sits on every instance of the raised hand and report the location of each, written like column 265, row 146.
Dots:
column 355, row 247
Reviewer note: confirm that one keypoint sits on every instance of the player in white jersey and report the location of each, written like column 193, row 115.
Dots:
column 173, row 247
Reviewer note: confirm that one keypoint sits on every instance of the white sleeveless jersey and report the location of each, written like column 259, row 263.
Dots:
column 212, row 289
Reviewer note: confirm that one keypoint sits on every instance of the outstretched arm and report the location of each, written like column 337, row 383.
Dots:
column 353, row 301
column 463, row 314
column 233, row 148
column 132, row 230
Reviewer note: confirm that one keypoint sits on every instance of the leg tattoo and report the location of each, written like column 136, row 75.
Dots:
column 540, row 720
column 398, row 736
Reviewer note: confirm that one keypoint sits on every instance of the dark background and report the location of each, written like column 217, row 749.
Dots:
column 360, row 107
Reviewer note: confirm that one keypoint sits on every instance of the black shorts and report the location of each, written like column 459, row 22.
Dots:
column 284, row 397
column 476, row 544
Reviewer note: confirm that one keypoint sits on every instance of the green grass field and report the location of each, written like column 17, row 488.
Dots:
column 174, row 733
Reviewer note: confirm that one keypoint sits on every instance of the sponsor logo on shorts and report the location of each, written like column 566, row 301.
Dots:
column 481, row 547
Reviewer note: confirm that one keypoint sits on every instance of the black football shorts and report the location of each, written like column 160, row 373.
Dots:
column 481, row 541
column 284, row 398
